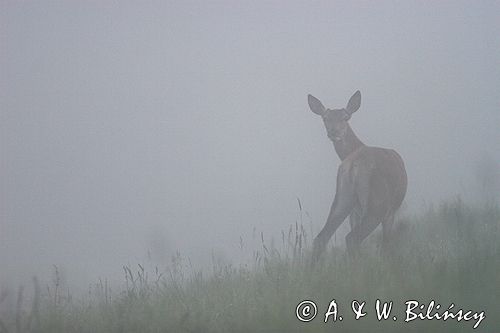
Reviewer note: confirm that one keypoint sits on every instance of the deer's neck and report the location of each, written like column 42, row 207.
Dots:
column 348, row 144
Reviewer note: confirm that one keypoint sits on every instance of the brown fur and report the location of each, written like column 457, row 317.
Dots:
column 371, row 181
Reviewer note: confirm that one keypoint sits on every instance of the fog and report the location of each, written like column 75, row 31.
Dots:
column 130, row 130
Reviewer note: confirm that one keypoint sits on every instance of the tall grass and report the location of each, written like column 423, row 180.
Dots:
column 449, row 254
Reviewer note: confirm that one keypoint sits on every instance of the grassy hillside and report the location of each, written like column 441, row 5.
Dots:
column 450, row 254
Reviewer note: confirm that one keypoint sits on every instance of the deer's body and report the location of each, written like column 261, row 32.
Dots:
column 371, row 181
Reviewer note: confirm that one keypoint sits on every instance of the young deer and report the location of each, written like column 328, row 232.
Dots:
column 371, row 181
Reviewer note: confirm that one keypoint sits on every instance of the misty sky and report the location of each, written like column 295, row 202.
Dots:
column 135, row 126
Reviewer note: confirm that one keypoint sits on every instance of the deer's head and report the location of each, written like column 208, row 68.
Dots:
column 335, row 119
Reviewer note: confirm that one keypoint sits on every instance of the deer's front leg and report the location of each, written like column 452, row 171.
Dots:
column 341, row 207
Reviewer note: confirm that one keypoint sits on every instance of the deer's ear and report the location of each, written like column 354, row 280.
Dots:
column 315, row 105
column 354, row 103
